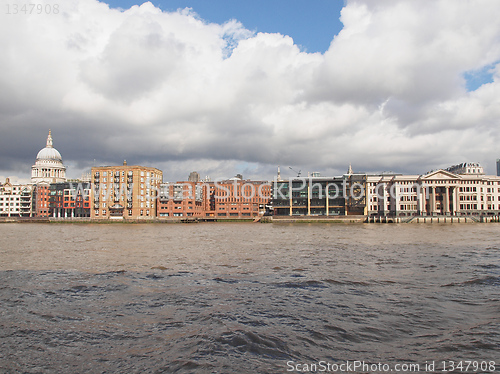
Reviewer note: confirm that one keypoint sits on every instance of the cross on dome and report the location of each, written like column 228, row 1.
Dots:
column 49, row 140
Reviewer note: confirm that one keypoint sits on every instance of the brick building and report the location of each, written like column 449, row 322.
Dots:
column 238, row 198
column 125, row 192
column 41, row 194
column 181, row 199
column 232, row 198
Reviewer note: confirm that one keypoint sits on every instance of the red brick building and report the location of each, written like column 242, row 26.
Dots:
column 237, row 198
column 233, row 198
column 181, row 199
column 41, row 196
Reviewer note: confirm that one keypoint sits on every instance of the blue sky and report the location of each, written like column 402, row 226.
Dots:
column 476, row 78
column 311, row 24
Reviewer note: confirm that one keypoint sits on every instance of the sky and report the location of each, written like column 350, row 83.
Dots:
column 225, row 87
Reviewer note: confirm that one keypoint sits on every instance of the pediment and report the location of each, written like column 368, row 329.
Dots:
column 440, row 175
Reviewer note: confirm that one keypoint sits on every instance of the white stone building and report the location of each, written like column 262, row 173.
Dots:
column 461, row 190
column 15, row 200
column 48, row 165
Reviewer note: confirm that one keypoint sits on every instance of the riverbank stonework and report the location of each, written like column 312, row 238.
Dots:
column 266, row 219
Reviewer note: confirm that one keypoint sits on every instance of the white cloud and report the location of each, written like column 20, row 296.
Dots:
column 175, row 92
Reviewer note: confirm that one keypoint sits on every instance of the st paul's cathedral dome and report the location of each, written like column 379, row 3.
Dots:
column 48, row 165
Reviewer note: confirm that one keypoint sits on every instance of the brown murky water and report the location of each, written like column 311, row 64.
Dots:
column 245, row 298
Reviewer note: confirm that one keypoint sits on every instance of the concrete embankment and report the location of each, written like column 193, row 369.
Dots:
column 24, row 220
column 265, row 219
column 319, row 219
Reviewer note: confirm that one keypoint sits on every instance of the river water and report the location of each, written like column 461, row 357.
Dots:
column 246, row 298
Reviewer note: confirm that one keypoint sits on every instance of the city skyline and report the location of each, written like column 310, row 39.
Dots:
column 402, row 87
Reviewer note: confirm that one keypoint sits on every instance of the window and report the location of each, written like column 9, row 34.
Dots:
column 103, row 212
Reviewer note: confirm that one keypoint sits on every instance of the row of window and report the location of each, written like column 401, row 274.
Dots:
column 130, row 173
column 104, row 212
column 414, row 207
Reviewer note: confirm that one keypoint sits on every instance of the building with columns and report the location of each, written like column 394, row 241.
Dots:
column 460, row 190
column 48, row 165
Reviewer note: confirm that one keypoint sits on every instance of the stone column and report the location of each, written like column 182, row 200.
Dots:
column 447, row 200
column 419, row 202
column 397, row 201
column 433, row 201
column 454, row 200
column 423, row 200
